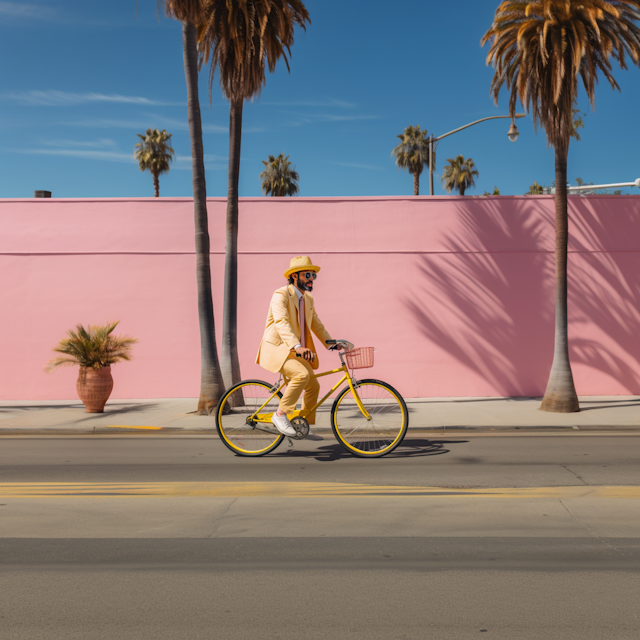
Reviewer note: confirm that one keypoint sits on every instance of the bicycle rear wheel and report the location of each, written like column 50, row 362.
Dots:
column 243, row 436
column 383, row 432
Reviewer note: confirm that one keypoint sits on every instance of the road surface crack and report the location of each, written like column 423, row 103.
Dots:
column 564, row 466
column 220, row 518
column 591, row 531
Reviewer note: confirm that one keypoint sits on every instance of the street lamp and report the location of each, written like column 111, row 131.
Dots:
column 593, row 187
column 512, row 134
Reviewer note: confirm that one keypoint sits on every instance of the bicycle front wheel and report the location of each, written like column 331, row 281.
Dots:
column 386, row 426
column 237, row 430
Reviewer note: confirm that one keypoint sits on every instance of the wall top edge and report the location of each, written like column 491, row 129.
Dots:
column 303, row 199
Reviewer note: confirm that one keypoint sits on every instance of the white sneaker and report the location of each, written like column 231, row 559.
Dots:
column 283, row 425
column 312, row 435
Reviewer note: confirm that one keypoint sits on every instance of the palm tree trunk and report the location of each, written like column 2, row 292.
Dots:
column 211, row 383
column 230, row 361
column 416, row 184
column 462, row 189
column 560, row 395
column 156, row 185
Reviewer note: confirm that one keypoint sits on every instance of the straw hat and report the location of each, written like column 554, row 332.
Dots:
column 300, row 263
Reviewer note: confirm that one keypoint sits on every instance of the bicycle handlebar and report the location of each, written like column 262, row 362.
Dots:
column 345, row 344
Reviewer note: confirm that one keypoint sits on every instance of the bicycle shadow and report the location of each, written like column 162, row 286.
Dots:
column 409, row 448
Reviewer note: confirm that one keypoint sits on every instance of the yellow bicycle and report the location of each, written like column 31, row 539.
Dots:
column 369, row 418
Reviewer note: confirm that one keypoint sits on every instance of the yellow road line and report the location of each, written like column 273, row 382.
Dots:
column 127, row 426
column 294, row 490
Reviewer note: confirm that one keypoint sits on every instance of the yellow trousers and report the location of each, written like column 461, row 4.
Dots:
column 300, row 375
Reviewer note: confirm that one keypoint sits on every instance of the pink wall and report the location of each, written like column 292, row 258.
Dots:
column 455, row 293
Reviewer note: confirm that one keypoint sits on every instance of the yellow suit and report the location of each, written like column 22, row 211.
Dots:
column 276, row 354
column 282, row 332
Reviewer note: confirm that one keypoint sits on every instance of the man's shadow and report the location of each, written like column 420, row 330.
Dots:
column 411, row 447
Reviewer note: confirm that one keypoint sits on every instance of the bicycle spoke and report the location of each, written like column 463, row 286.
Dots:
column 385, row 427
column 237, row 430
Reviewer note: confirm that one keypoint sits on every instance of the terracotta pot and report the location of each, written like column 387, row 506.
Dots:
column 94, row 388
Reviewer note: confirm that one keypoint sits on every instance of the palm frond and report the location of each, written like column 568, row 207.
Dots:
column 92, row 347
column 242, row 38
column 278, row 178
column 459, row 174
column 412, row 154
column 154, row 152
column 539, row 49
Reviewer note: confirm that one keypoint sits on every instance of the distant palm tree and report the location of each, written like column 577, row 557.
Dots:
column 539, row 49
column 535, row 189
column 496, row 192
column 278, row 179
column 412, row 153
column 576, row 122
column 459, row 174
column 154, row 155
column 189, row 12
column 242, row 38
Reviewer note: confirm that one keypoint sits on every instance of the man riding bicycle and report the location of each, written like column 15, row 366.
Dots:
column 288, row 349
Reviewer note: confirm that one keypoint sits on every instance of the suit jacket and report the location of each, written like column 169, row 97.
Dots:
column 282, row 332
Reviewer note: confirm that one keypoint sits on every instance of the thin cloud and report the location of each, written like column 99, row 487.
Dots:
column 29, row 11
column 109, row 123
column 208, row 157
column 107, row 150
column 87, row 154
column 300, row 120
column 175, row 123
column 317, row 104
column 102, row 143
column 54, row 98
column 159, row 122
column 37, row 14
column 212, row 162
column 357, row 165
column 333, row 117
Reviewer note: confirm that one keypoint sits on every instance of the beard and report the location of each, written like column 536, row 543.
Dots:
column 305, row 286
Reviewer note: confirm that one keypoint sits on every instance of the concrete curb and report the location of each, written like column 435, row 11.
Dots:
column 440, row 416
column 327, row 433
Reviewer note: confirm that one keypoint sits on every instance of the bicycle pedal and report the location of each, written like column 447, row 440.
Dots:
column 301, row 426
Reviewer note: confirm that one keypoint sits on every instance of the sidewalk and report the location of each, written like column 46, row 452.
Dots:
column 167, row 416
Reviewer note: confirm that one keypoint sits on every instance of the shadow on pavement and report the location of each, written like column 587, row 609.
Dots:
column 479, row 399
column 410, row 448
column 5, row 408
column 109, row 409
column 609, row 404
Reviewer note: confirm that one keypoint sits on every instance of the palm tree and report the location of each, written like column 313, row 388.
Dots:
column 154, row 154
column 539, row 49
column 459, row 174
column 211, row 383
column 535, row 189
column 278, row 179
column 242, row 38
column 576, row 123
column 412, row 153
column 496, row 192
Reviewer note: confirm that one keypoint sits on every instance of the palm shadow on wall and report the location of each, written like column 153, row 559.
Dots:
column 490, row 315
column 611, row 299
column 497, row 306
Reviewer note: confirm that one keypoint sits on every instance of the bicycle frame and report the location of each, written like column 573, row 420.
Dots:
column 258, row 417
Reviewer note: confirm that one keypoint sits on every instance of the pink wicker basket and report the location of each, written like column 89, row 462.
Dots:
column 360, row 357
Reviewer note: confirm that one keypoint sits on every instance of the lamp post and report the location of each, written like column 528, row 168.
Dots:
column 513, row 134
column 593, row 187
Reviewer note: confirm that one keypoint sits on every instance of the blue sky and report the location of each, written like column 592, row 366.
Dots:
column 79, row 80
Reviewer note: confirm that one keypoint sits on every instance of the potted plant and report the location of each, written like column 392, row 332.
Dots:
column 94, row 350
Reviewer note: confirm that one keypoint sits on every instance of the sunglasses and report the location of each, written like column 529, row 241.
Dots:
column 308, row 274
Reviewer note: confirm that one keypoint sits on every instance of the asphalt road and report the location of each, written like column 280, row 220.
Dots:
column 174, row 537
